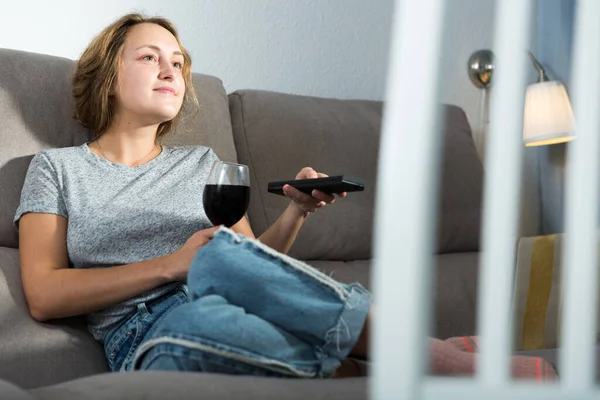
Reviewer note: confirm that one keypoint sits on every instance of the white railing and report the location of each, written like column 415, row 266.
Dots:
column 407, row 189
column 579, row 318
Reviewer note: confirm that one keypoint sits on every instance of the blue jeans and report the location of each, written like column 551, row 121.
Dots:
column 247, row 310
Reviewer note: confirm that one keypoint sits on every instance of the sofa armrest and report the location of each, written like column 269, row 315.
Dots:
column 36, row 354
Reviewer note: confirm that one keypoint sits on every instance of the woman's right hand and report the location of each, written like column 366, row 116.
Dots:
column 179, row 261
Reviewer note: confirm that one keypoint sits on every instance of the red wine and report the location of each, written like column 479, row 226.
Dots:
column 225, row 204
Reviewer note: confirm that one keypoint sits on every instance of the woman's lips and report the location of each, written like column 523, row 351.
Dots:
column 165, row 90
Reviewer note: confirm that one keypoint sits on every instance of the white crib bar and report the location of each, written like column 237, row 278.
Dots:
column 502, row 190
column 406, row 199
column 409, row 155
column 577, row 365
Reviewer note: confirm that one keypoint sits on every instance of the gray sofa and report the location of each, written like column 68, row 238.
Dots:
column 276, row 135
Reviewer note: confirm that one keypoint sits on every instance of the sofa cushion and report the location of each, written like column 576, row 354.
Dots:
column 10, row 391
column 36, row 113
column 36, row 354
column 455, row 294
column 454, row 288
column 158, row 385
column 346, row 271
column 278, row 134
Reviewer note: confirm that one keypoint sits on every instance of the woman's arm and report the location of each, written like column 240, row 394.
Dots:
column 53, row 290
column 281, row 235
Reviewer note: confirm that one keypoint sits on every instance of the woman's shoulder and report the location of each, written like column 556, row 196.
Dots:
column 58, row 155
column 189, row 149
column 191, row 152
column 196, row 158
column 61, row 151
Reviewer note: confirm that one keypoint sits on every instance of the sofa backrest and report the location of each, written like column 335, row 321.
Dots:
column 461, row 185
column 36, row 111
column 278, row 134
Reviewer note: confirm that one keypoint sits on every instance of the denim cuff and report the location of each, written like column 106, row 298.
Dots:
column 341, row 339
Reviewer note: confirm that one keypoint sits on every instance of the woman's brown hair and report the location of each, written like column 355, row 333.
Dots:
column 96, row 73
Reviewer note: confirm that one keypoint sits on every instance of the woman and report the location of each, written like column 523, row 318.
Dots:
column 112, row 229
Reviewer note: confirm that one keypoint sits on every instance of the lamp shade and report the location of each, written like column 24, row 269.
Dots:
column 548, row 114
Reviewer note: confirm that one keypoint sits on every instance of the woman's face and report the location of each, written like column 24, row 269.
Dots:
column 150, row 86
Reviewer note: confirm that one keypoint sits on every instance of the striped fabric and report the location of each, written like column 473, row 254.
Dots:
column 537, row 298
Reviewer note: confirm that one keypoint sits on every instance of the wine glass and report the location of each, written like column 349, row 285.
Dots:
column 227, row 193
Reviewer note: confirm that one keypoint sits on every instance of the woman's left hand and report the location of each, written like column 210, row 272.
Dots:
column 305, row 202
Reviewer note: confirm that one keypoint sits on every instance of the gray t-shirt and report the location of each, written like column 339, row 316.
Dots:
column 119, row 214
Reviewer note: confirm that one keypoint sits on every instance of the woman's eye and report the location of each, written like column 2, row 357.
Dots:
column 178, row 65
column 149, row 58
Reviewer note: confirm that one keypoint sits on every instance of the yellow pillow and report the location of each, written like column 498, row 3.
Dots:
column 537, row 298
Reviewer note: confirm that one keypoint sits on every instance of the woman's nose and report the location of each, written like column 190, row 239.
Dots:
column 167, row 71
